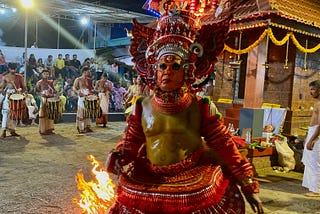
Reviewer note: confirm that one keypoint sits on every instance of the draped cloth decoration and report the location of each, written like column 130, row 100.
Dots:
column 277, row 42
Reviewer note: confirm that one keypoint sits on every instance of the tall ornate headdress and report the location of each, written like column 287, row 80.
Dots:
column 179, row 32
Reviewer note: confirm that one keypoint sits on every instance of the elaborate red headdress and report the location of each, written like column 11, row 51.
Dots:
column 178, row 32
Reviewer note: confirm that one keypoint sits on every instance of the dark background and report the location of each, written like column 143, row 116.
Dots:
column 12, row 27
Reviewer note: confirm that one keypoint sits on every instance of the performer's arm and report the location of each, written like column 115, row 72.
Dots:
column 2, row 85
column 96, row 86
column 75, row 87
column 128, row 146
column 315, row 121
column 219, row 138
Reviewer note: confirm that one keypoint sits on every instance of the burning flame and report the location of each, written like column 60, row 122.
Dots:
column 97, row 195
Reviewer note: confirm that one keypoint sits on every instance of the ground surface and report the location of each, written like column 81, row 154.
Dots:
column 37, row 172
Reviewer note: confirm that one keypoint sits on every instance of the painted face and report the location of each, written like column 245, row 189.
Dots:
column 170, row 73
column 314, row 91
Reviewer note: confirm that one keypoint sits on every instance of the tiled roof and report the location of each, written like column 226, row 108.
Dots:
column 303, row 11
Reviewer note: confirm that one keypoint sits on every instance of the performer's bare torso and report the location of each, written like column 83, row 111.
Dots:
column 9, row 81
column 170, row 137
column 81, row 84
column 103, row 86
column 45, row 87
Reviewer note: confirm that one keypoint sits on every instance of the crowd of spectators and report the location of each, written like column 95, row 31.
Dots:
column 64, row 70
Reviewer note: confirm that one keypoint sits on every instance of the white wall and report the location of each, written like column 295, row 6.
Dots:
column 13, row 54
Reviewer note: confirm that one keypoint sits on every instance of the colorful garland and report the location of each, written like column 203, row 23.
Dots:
column 281, row 42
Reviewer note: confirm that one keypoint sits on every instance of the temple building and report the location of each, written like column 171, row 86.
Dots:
column 270, row 57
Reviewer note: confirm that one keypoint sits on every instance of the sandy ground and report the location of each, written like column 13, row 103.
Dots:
column 37, row 173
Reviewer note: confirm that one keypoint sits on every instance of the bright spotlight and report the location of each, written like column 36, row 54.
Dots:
column 14, row 9
column 27, row 3
column 84, row 21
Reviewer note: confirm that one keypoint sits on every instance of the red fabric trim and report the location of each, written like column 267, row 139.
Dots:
column 182, row 193
column 251, row 188
column 220, row 139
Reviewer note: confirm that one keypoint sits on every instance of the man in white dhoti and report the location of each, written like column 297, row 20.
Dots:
column 103, row 87
column 83, row 87
column 311, row 153
column 32, row 108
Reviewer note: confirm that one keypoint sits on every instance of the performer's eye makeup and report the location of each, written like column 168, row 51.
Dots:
column 176, row 66
column 163, row 66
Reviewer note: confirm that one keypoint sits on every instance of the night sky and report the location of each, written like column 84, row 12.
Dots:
column 12, row 27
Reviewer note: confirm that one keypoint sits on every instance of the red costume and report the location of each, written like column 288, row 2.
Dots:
column 179, row 157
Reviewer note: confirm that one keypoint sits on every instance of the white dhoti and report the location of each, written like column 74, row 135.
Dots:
column 82, row 121
column 32, row 114
column 7, row 122
column 104, row 105
column 104, row 102
column 46, row 126
column 311, row 161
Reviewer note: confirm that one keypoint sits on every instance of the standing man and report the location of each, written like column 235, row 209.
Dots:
column 11, row 83
column 103, row 87
column 45, row 90
column 83, row 86
column 311, row 153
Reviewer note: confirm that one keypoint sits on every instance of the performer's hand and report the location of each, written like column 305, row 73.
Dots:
column 113, row 162
column 255, row 202
column 310, row 145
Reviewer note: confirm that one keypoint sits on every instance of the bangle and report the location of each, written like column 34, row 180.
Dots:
column 247, row 181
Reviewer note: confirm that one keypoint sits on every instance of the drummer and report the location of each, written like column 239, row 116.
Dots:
column 12, row 83
column 83, row 86
column 103, row 87
column 45, row 90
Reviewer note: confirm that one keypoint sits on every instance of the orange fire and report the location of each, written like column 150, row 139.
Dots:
column 97, row 195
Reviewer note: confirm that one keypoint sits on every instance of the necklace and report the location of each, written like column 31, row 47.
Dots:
column 170, row 102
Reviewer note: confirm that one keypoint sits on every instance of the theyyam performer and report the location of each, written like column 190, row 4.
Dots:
column 175, row 156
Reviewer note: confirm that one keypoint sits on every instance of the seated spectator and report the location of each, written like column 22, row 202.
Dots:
column 34, row 45
column 48, row 63
column 3, row 63
column 40, row 66
column 86, row 63
column 32, row 74
column 59, row 66
column 58, row 86
column 70, row 71
column 75, row 64
column 72, row 98
column 32, row 107
column 21, row 60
